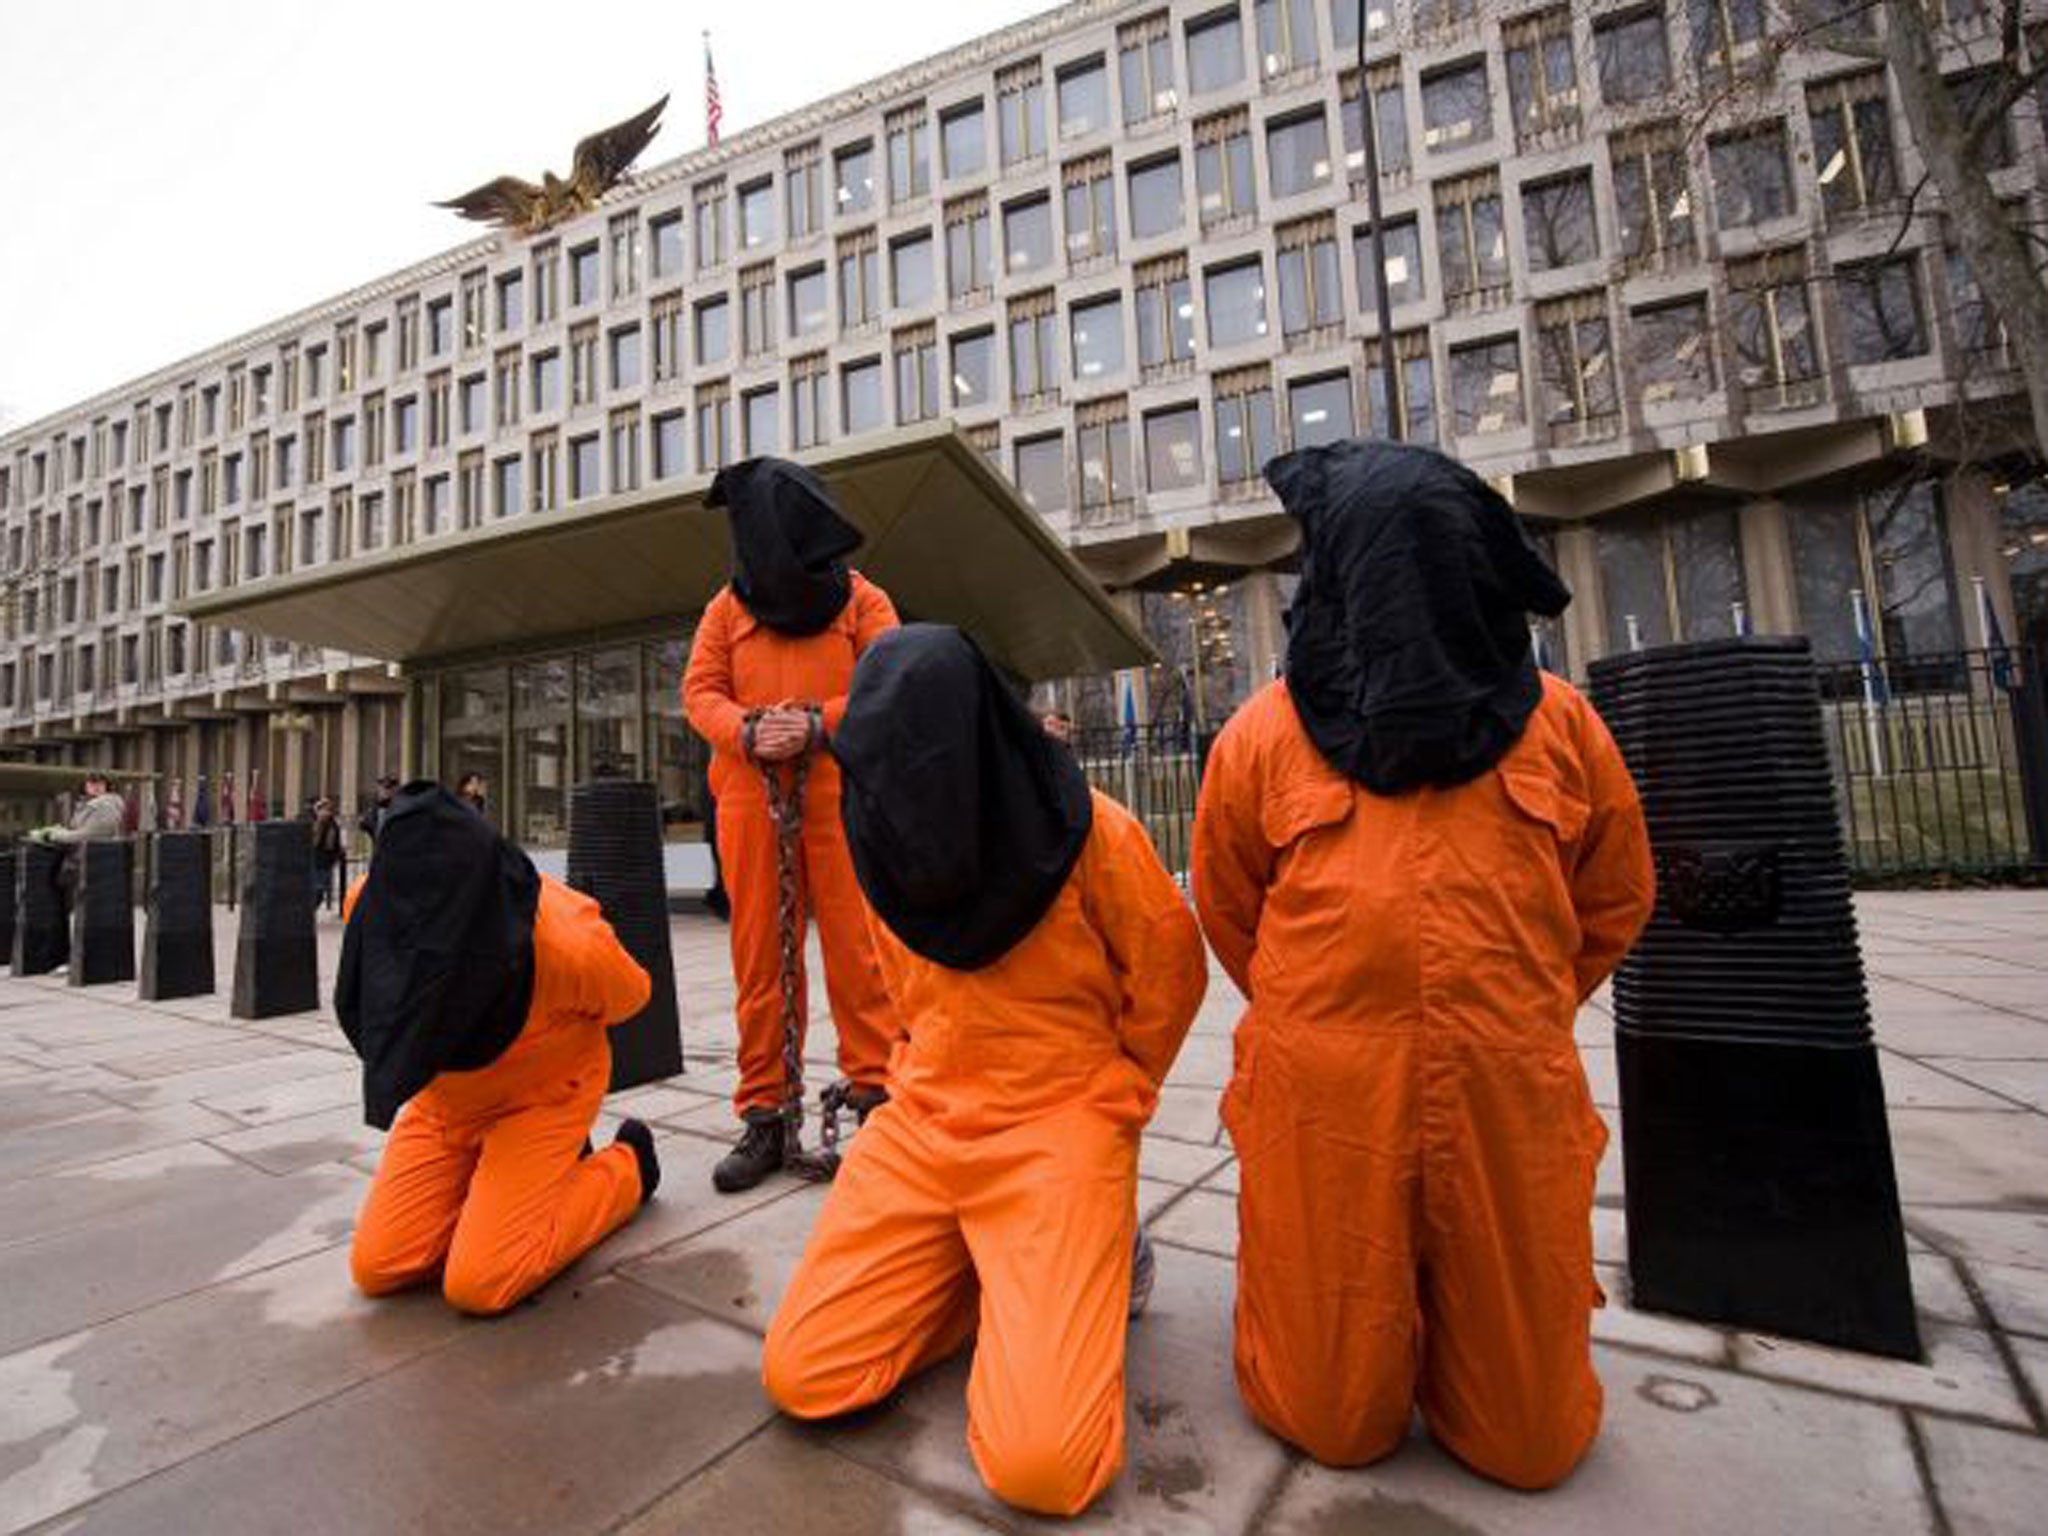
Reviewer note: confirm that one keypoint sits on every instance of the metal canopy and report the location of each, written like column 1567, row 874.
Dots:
column 947, row 537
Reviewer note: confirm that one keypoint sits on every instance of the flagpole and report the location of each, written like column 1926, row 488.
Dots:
column 1866, row 641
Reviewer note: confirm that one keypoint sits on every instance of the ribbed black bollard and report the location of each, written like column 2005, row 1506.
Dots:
column 1760, row 1186
column 7, row 907
column 177, row 936
column 277, row 958
column 42, row 939
column 103, row 914
column 615, row 856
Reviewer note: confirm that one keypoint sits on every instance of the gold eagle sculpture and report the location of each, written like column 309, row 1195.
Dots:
column 601, row 159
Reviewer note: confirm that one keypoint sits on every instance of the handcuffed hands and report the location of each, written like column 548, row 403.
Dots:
column 784, row 732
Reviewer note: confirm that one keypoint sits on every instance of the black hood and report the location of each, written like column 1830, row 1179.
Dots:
column 437, row 960
column 789, row 544
column 962, row 815
column 1408, row 653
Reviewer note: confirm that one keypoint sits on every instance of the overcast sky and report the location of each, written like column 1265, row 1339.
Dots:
column 185, row 170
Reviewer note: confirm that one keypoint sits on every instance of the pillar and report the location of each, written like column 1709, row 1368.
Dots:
column 1585, row 621
column 1976, row 539
column 1767, row 575
column 1265, row 637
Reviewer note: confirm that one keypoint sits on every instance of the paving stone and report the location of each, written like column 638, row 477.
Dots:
column 1686, row 1451
column 1963, row 1374
column 1970, row 1157
column 1155, row 1195
column 2026, row 1081
column 224, row 1083
column 1938, row 1292
column 31, row 1208
column 1179, row 1162
column 1620, row 1323
column 2013, row 994
column 95, row 1410
column 331, row 1087
column 659, row 1104
column 107, row 1134
column 2033, row 1358
column 568, row 1416
column 1187, row 1114
column 1610, row 1235
column 1989, row 1237
column 1955, row 1029
column 25, row 1108
column 1990, row 1480
column 1910, row 1084
column 739, row 1270
column 286, row 1146
column 215, row 1051
column 1602, row 1076
column 1204, row 1220
column 1204, row 1062
column 2018, row 1297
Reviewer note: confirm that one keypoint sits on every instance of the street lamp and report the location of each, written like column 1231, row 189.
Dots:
column 1368, row 131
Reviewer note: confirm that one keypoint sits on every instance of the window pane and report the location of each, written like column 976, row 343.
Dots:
column 1298, row 154
column 910, row 263
column 1909, row 546
column 1042, row 475
column 1027, row 234
column 1881, row 311
column 1752, row 177
column 807, row 303
column 1173, row 449
column 714, row 331
column 1320, row 411
column 1236, row 298
column 974, row 368
column 1156, row 198
column 960, row 131
column 1215, row 52
column 1632, row 579
column 1486, row 387
column 1084, row 98
column 1098, row 340
column 1634, row 56
column 1557, row 221
column 1673, row 351
column 862, row 406
column 1455, row 108
column 854, row 178
column 1402, row 243
column 762, row 421
column 1706, row 559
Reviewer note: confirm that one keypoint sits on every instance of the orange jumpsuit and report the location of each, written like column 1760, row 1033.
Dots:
column 482, row 1179
column 1418, row 1144
column 737, row 665
column 997, row 1190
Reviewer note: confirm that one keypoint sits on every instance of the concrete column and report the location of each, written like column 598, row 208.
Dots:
column 1264, row 635
column 1767, row 568
column 409, row 712
column 294, row 771
column 1585, row 621
column 1977, row 548
column 351, row 752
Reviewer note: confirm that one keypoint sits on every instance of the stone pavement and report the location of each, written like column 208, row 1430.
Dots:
column 180, row 1349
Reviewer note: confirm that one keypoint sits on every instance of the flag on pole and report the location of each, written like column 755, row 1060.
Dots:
column 1992, row 636
column 1874, row 693
column 712, row 111
column 1130, row 715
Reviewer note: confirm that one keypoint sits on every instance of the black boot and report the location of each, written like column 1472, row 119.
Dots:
column 865, row 1101
column 758, row 1154
column 635, row 1134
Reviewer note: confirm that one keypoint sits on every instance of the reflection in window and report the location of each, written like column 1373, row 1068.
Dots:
column 1098, row 331
column 1557, row 221
column 1673, row 351
column 1486, row 386
column 1042, row 474
column 1236, row 300
column 1770, row 325
column 974, row 368
column 853, row 176
column 1652, row 196
column 1173, row 448
column 1215, row 51
column 1027, row 234
column 1401, row 243
column 1727, row 36
column 1543, row 79
column 1752, row 175
column 1156, row 197
column 1414, row 384
column 1472, row 245
column 860, row 396
column 1892, row 542
column 1575, row 362
column 1390, row 120
column 1634, row 55
column 1145, row 67
column 1083, row 98
column 1881, row 313
column 1852, row 143
column 1456, row 109
column 1298, row 153
column 1319, row 410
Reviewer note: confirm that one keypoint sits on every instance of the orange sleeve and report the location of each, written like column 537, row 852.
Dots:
column 708, row 701
column 1232, row 861
column 873, row 615
column 1614, row 883
column 1151, row 937
column 355, row 889
column 611, row 986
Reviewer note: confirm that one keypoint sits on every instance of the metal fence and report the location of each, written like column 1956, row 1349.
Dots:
column 1154, row 772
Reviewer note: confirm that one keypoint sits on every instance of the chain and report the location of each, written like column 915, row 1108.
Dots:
column 786, row 814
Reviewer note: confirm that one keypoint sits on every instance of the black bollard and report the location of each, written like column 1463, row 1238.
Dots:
column 277, row 957
column 1760, row 1186
column 103, row 914
column 7, row 907
column 615, row 856
column 177, row 937
column 42, row 939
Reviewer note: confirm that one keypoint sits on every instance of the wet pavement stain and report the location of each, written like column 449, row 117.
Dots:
column 1380, row 1514
column 1675, row 1394
column 1167, row 1463
column 719, row 1276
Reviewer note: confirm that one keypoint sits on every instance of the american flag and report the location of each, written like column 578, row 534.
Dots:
column 712, row 111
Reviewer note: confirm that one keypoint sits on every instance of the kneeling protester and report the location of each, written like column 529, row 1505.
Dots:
column 1045, row 969
column 477, row 992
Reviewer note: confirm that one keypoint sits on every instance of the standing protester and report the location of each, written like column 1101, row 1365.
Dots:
column 477, row 993
column 1416, row 856
column 372, row 820
column 766, row 686
column 1046, row 969
column 100, row 816
column 470, row 791
column 327, row 851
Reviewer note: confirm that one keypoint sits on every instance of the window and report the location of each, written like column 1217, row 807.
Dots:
column 1401, row 246
column 859, row 279
column 434, row 508
column 1669, row 575
column 1027, row 234
column 910, row 153
column 1042, row 474
column 1319, row 410
column 546, row 297
column 808, row 304
column 1215, row 51
column 1103, row 445
column 714, row 330
column 757, row 213
column 1235, row 296
column 1752, row 176
column 439, row 412
column 1852, row 143
column 1557, row 221
column 1770, row 324
column 1156, row 207
column 1971, row 93
column 917, row 374
column 1727, row 35
column 1034, row 362
column 667, row 230
column 505, row 383
column 1673, row 351
column 1145, row 67
column 1020, row 113
column 583, row 287
column 714, row 426
column 547, row 381
column 860, row 396
column 1245, row 435
column 345, row 445
column 1311, row 291
column 665, row 323
column 1223, row 168
column 1652, row 197
column 1980, row 334
column 1297, row 153
column 1881, row 314
column 1389, row 116
column 853, row 177
column 969, row 259
column 708, row 200
column 1472, row 246
column 962, row 139
column 1287, row 35
column 1543, row 79
column 761, row 420
column 469, row 472
column 1165, row 307
column 475, row 315
column 910, row 271
column 809, row 407
column 974, row 361
column 1634, row 56
column 1083, row 97
column 757, row 310
column 667, row 445
column 583, row 364
column 625, row 357
column 1098, row 336
column 1575, row 364
column 1486, row 386
column 1456, row 109
column 511, row 300
column 1173, row 448
column 1090, row 208
column 1892, row 543
column 583, row 468
column 803, row 185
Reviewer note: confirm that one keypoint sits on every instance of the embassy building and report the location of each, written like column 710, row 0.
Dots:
column 1655, row 281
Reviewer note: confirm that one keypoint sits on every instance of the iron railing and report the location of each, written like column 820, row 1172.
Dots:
column 1155, row 772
